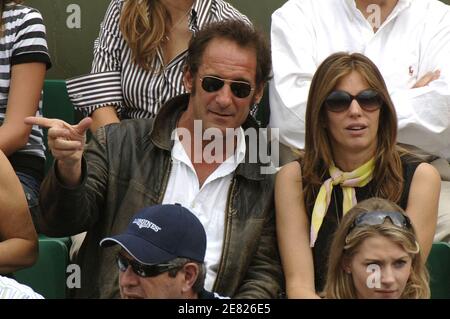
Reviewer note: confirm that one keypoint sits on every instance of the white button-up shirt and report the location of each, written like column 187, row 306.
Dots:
column 414, row 39
column 207, row 202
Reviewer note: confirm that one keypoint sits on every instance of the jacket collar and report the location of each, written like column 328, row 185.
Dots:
column 166, row 121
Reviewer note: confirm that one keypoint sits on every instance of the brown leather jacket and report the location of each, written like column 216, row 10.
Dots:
column 126, row 166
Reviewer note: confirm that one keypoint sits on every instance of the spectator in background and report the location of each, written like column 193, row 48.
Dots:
column 162, row 255
column 18, row 238
column 408, row 40
column 24, row 59
column 139, row 57
column 376, row 239
column 350, row 155
column 144, row 162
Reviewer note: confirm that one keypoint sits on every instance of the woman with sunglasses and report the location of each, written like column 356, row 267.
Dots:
column 375, row 254
column 139, row 57
column 350, row 155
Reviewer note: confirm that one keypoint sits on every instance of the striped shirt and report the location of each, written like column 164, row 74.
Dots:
column 24, row 41
column 116, row 81
column 11, row 289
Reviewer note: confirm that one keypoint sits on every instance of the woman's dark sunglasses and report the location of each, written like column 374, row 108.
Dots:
column 378, row 218
column 339, row 101
column 143, row 270
column 239, row 89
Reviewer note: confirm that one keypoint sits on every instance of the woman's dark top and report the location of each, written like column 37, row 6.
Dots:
column 334, row 215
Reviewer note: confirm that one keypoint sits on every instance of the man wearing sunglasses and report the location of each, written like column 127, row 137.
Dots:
column 161, row 255
column 139, row 163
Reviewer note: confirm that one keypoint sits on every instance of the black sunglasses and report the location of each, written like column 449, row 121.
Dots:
column 339, row 101
column 143, row 270
column 378, row 218
column 240, row 89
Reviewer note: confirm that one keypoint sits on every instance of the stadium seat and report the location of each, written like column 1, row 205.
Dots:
column 56, row 104
column 439, row 267
column 48, row 275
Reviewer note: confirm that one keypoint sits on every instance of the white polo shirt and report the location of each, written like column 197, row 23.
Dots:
column 414, row 40
column 208, row 202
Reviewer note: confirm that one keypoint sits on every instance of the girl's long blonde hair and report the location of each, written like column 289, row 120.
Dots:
column 143, row 24
column 339, row 284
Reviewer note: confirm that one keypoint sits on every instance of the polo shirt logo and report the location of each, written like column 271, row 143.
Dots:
column 144, row 223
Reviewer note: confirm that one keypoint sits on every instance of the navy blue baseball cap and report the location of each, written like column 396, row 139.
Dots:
column 160, row 233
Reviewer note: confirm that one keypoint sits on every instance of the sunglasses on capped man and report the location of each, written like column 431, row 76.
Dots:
column 143, row 270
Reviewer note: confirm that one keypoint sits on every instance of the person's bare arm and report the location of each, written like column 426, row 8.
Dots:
column 427, row 79
column 23, row 100
column 423, row 204
column 103, row 116
column 293, row 233
column 18, row 238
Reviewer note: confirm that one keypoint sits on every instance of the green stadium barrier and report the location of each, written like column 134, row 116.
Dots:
column 48, row 276
column 438, row 264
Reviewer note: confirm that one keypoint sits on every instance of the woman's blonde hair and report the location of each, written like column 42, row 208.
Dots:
column 317, row 156
column 143, row 24
column 339, row 284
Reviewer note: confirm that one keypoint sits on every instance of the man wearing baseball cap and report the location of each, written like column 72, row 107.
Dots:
column 162, row 254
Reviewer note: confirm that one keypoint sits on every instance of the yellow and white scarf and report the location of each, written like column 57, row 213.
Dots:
column 360, row 177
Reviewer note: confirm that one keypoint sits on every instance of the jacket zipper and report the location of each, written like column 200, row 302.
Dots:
column 227, row 231
column 165, row 181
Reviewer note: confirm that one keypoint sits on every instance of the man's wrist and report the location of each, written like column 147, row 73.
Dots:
column 69, row 173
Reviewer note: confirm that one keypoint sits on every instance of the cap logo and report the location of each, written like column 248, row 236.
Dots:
column 144, row 223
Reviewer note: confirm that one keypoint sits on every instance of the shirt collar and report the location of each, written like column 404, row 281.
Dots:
column 200, row 14
column 402, row 4
column 179, row 153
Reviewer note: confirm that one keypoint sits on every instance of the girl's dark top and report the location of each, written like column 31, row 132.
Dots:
column 334, row 215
